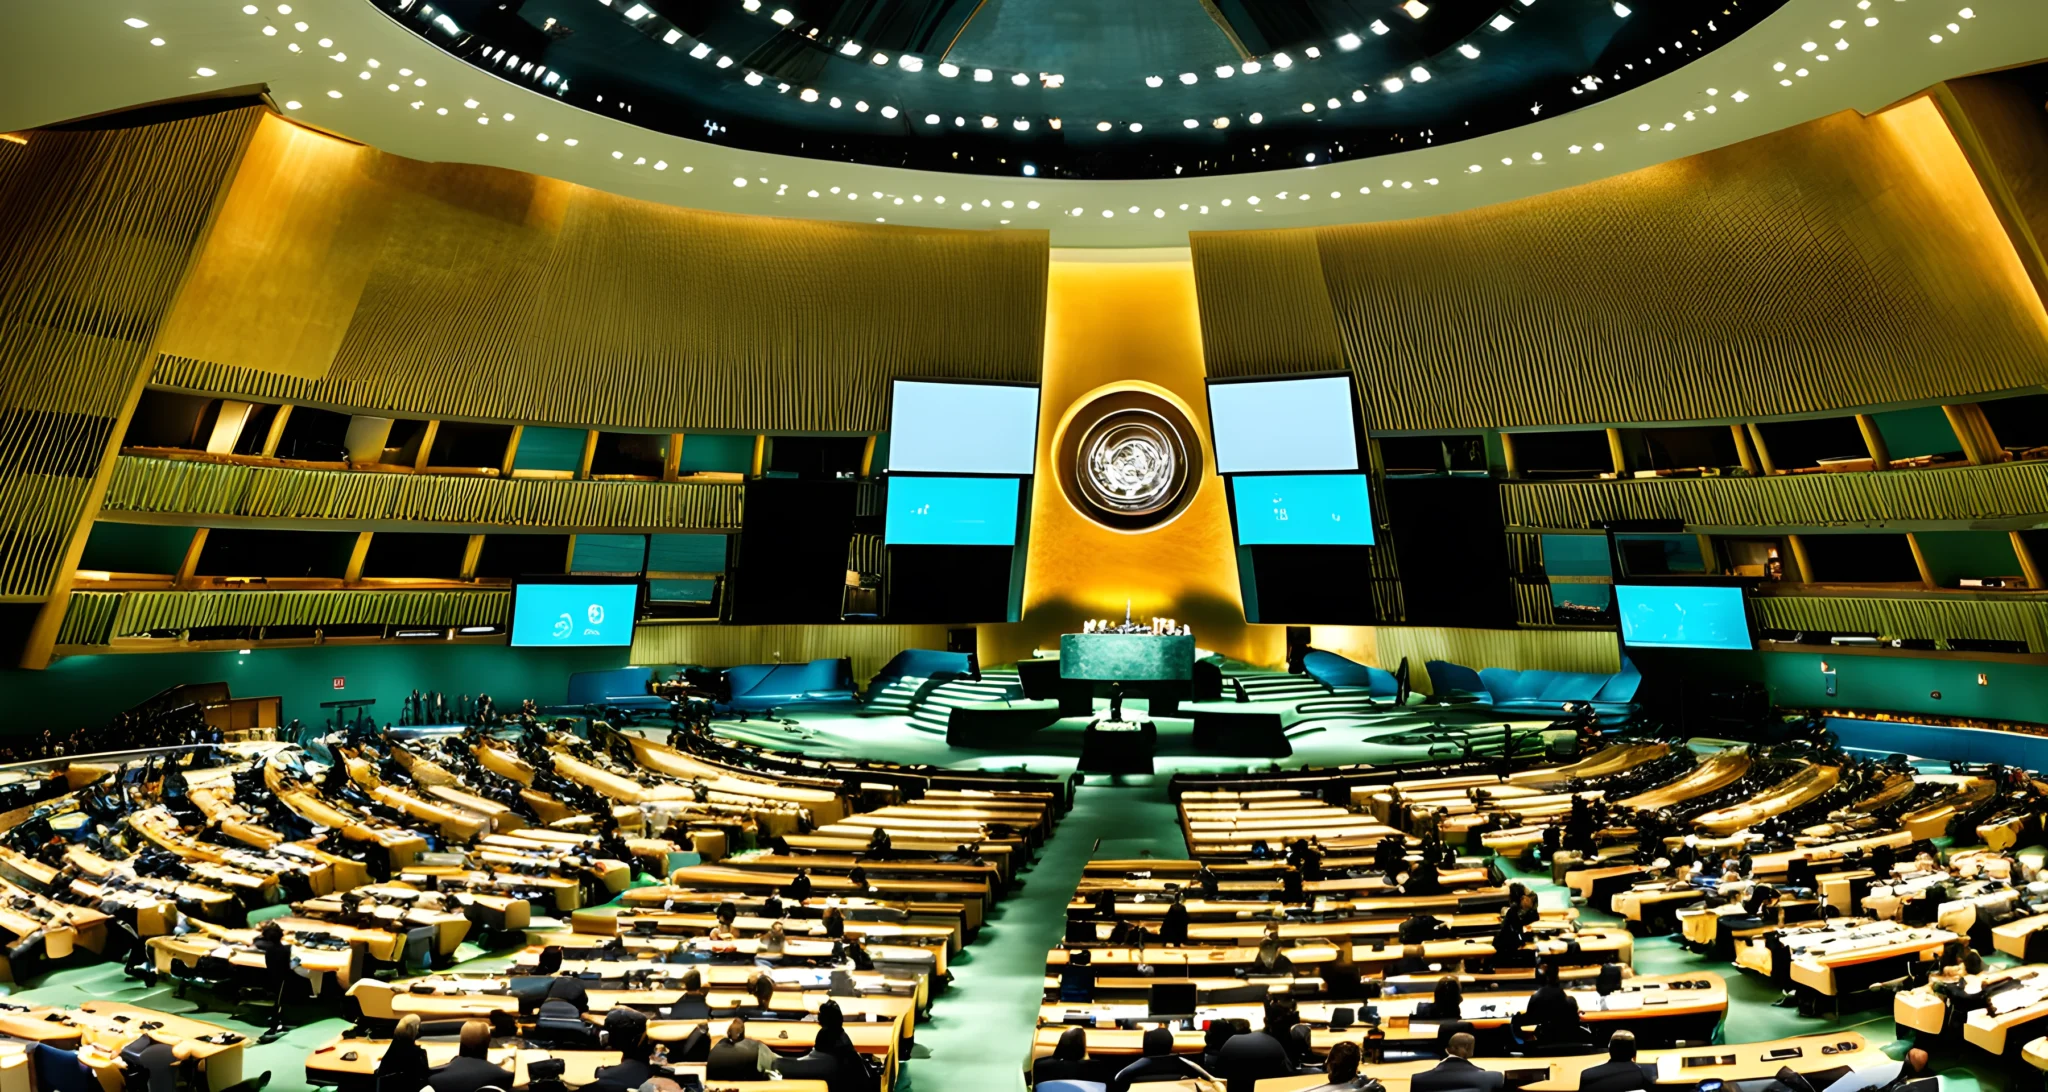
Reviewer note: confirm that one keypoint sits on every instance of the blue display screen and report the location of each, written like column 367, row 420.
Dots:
column 1302, row 510
column 963, row 428
column 951, row 512
column 573, row 615
column 1682, row 616
column 1283, row 425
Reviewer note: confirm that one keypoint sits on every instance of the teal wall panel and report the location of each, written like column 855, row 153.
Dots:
column 88, row 690
column 135, row 548
column 549, row 449
column 730, row 454
column 1952, row 555
column 1912, row 433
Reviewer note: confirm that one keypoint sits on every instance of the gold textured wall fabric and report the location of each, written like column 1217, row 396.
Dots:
column 1921, row 618
column 2014, row 493
column 870, row 647
column 97, row 227
column 2000, row 125
column 1118, row 325
column 1264, row 307
column 176, row 487
column 1846, row 262
column 476, row 293
column 95, row 617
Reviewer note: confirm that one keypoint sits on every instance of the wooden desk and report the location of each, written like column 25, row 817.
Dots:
column 326, row 1065
column 1751, row 1063
column 99, row 1030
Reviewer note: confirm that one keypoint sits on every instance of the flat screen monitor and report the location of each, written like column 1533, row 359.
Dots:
column 574, row 614
column 1280, row 425
column 1683, row 616
column 1302, row 510
column 963, row 428
column 951, row 512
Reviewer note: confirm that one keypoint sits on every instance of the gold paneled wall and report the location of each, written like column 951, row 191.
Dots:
column 459, row 291
column 97, row 227
column 1846, row 262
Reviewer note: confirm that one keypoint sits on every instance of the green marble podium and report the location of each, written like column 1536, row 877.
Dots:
column 1126, row 657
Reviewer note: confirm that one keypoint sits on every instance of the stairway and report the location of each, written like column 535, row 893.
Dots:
column 894, row 698
column 1276, row 686
column 935, row 706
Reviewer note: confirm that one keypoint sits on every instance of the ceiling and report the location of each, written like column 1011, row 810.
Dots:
column 1080, row 88
column 359, row 72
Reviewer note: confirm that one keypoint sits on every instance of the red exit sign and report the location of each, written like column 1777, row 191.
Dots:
column 340, row 682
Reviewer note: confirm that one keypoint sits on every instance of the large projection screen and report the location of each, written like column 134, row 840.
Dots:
column 951, row 511
column 963, row 428
column 1283, row 425
column 1683, row 616
column 1302, row 510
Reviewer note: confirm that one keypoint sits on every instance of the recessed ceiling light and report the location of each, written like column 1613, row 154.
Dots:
column 638, row 12
column 672, row 37
column 851, row 49
column 293, row 104
column 1334, row 103
column 156, row 41
column 1349, row 41
column 134, row 22
column 1189, row 123
column 861, row 106
column 1501, row 22
column 1102, row 127
column 661, row 164
column 1419, row 74
column 1250, row 67
column 754, row 79
column 1256, row 117
column 700, row 51
column 1308, row 108
column 1313, row 52
column 1378, row 26
column 540, row 137
column 1224, row 71
column 909, row 63
column 931, row 119
column 1282, row 60
column 1221, row 123
column 1470, row 51
column 1416, row 9
column 808, row 94
column 987, row 122
column 334, row 94
column 1188, row 77
column 724, row 62
column 1137, row 127
column 209, row 72
column 1392, row 84
column 1358, row 96
column 983, row 75
column 889, row 111
column 1020, row 124
column 948, row 69
column 782, row 16
column 833, row 102
column 1622, row 9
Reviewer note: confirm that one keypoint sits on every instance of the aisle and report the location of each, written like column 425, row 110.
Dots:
column 980, row 1032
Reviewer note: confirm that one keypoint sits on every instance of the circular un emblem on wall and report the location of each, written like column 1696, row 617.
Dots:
column 1129, row 460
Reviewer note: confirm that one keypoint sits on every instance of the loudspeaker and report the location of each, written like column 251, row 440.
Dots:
column 791, row 566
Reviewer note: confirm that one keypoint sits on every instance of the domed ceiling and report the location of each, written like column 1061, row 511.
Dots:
column 1080, row 89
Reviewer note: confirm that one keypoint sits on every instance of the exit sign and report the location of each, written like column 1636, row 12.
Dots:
column 340, row 682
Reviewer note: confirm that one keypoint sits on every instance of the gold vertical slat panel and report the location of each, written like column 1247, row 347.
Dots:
column 89, row 618
column 1962, row 494
column 141, row 612
column 1842, row 263
column 97, row 227
column 284, row 265
column 500, row 296
column 200, row 489
column 727, row 646
column 1937, row 619
column 1533, row 606
column 1264, row 308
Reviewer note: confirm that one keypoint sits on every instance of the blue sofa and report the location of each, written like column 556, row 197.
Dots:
column 1339, row 673
column 1542, row 693
column 758, row 687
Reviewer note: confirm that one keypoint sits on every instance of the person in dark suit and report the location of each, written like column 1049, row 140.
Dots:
column 1414, row 960
column 1250, row 1058
column 695, row 1003
column 158, row 1062
column 811, row 1067
column 625, row 1030
column 277, row 967
column 1457, row 1071
column 1450, row 997
column 1069, row 1061
column 1341, row 1067
column 799, row 887
column 1158, row 1064
column 470, row 1069
column 1174, row 929
column 403, row 1068
column 571, row 989
column 1619, row 1073
column 832, row 1040
column 1551, row 1013
column 734, row 1057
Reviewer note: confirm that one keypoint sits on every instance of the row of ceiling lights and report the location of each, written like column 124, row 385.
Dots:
column 638, row 13
column 1254, row 201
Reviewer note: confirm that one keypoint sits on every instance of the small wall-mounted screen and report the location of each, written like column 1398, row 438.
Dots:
column 963, row 428
column 1683, row 616
column 574, row 615
column 1302, row 510
column 1283, row 425
column 951, row 512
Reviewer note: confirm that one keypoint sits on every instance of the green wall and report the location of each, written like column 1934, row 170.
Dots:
column 88, row 690
column 1895, row 683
